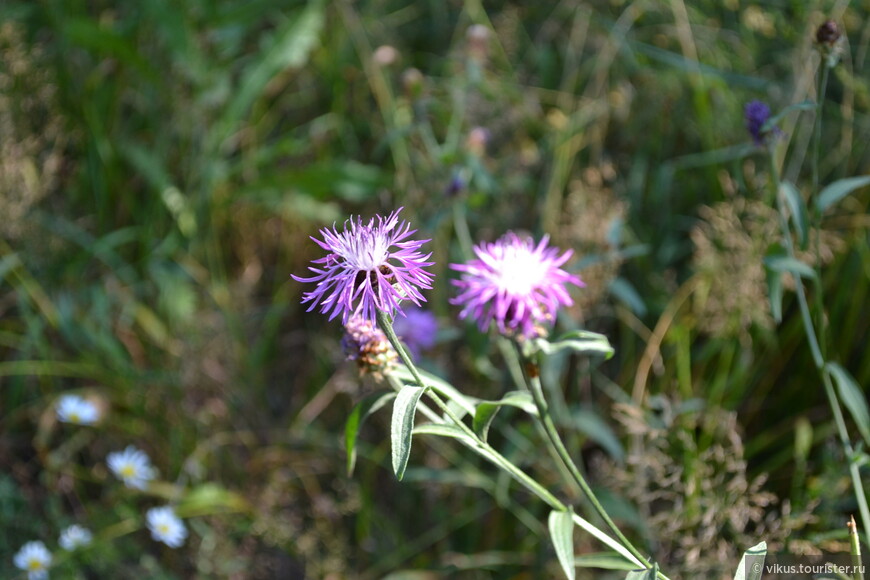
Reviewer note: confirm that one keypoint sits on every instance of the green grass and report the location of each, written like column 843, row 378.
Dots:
column 162, row 165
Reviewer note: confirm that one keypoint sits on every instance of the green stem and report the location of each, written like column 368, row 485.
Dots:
column 489, row 453
column 534, row 384
column 817, row 214
column 819, row 359
column 516, row 371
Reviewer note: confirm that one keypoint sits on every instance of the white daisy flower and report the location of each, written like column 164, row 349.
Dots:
column 74, row 537
column 132, row 466
column 34, row 558
column 165, row 526
column 75, row 409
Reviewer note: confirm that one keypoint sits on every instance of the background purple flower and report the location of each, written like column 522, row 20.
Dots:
column 368, row 268
column 417, row 330
column 756, row 114
column 514, row 283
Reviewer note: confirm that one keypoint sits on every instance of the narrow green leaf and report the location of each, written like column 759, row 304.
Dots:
column 647, row 574
column 486, row 410
column 840, row 189
column 623, row 290
column 442, row 387
column 401, row 429
column 590, row 423
column 802, row 106
column 442, row 430
column 752, row 563
column 603, row 561
column 852, row 397
column 580, row 341
column 789, row 264
column 357, row 417
column 798, row 210
column 561, row 524
column 290, row 48
column 774, row 294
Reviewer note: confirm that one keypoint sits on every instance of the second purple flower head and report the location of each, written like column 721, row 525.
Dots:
column 516, row 284
column 369, row 267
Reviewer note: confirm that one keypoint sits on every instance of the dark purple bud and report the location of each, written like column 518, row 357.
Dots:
column 828, row 33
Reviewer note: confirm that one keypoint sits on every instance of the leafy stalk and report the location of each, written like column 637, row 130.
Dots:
column 555, row 440
column 818, row 357
column 472, row 441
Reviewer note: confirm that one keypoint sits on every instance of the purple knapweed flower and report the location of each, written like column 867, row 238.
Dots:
column 368, row 268
column 756, row 114
column 367, row 344
column 417, row 330
column 515, row 284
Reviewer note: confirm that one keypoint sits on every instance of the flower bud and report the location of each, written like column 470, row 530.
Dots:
column 385, row 55
column 412, row 82
column 476, row 141
column 477, row 37
column 828, row 33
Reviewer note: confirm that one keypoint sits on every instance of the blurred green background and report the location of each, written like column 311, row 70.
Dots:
column 162, row 164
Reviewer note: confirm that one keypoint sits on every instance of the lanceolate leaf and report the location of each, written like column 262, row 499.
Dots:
column 774, row 290
column 840, row 189
column 561, row 524
column 580, row 341
column 798, row 210
column 443, row 431
column 752, row 563
column 486, row 410
column 404, row 409
column 788, row 264
column 852, row 397
column 357, row 417
column 440, row 385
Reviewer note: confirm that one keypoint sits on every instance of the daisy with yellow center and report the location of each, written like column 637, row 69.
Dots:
column 165, row 526
column 34, row 558
column 132, row 466
column 77, row 410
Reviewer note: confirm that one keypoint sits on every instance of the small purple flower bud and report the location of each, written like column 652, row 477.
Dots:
column 756, row 114
column 456, row 185
column 367, row 344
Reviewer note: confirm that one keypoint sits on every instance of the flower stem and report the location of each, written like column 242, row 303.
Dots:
column 817, row 213
column 534, row 384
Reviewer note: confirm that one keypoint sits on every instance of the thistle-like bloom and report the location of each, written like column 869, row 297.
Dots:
column 417, row 330
column 367, row 344
column 34, row 558
column 132, row 466
column 756, row 114
column 515, row 284
column 362, row 273
column 75, row 409
column 74, row 537
column 165, row 526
